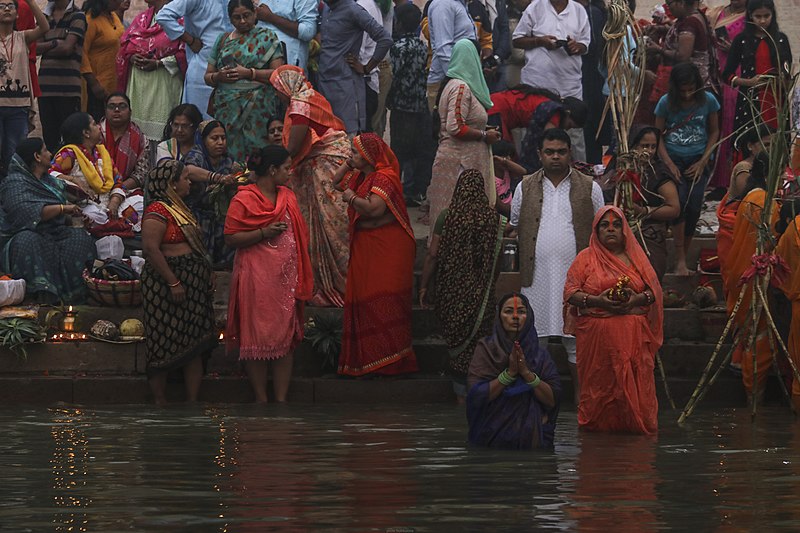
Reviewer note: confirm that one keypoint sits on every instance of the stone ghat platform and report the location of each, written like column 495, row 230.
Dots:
column 96, row 372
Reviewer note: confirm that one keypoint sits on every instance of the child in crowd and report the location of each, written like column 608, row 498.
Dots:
column 688, row 118
column 410, row 117
column 762, row 53
column 507, row 174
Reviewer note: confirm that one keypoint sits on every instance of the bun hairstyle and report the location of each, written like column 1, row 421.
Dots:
column 262, row 159
column 73, row 127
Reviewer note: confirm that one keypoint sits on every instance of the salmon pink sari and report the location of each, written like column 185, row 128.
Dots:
column 615, row 353
column 271, row 278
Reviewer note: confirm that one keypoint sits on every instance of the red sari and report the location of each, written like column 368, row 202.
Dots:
column 377, row 301
column 271, row 278
column 615, row 353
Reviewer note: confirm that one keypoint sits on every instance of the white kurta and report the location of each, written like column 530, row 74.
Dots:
column 555, row 252
column 555, row 70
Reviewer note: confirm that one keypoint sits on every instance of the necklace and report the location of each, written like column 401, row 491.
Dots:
column 9, row 53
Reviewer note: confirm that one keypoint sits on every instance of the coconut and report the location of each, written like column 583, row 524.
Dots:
column 132, row 328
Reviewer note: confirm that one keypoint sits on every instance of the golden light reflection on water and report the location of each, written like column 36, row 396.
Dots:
column 69, row 465
column 225, row 460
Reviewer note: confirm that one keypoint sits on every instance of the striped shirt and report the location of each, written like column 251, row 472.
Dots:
column 61, row 76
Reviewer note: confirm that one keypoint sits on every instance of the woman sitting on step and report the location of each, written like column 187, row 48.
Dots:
column 37, row 240
column 514, row 386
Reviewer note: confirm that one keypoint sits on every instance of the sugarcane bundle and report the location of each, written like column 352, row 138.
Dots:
column 625, row 60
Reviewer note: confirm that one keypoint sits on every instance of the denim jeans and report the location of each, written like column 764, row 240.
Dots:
column 13, row 128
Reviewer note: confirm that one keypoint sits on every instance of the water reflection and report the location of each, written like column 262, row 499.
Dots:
column 70, row 463
column 302, row 468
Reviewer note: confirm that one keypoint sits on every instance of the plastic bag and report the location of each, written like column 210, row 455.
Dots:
column 110, row 247
column 12, row 291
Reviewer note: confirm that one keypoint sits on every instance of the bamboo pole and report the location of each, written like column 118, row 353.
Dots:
column 687, row 410
column 660, row 363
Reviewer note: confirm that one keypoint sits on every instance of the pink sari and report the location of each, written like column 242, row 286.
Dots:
column 271, row 278
column 146, row 40
column 734, row 25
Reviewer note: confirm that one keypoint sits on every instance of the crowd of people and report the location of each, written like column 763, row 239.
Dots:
column 224, row 134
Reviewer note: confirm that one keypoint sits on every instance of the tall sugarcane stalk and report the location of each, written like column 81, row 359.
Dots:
column 625, row 60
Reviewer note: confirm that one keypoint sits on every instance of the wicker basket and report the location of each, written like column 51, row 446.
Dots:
column 113, row 293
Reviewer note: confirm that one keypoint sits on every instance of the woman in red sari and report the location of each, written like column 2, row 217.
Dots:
column 618, row 330
column 272, row 275
column 377, row 300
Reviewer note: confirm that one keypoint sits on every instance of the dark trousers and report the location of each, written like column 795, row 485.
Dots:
column 415, row 151
column 372, row 107
column 53, row 111
column 13, row 129
column 95, row 106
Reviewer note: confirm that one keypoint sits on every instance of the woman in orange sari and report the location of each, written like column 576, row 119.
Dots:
column 318, row 144
column 377, row 308
column 789, row 249
column 614, row 308
column 740, row 259
column 271, row 276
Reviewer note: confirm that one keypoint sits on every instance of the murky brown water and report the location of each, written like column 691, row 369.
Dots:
column 303, row 468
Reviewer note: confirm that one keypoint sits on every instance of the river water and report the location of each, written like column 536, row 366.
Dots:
column 307, row 468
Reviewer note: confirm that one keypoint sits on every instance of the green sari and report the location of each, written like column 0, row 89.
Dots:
column 245, row 106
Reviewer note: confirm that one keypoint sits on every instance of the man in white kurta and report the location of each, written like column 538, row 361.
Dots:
column 556, row 246
column 555, row 34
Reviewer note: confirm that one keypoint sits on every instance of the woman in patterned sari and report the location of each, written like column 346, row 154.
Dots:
column 210, row 167
column 318, row 144
column 377, row 302
column 177, row 284
column 463, row 254
column 37, row 242
column 239, row 68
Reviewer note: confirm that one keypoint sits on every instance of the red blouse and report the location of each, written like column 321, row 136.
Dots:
column 157, row 211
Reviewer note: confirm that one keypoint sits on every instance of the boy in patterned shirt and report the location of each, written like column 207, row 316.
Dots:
column 410, row 120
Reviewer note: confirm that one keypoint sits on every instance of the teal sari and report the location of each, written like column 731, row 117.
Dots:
column 49, row 255
column 245, row 106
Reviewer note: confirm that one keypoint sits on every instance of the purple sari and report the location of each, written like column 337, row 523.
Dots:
column 513, row 420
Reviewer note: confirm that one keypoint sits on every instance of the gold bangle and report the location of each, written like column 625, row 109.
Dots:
column 62, row 208
column 173, row 285
column 253, row 74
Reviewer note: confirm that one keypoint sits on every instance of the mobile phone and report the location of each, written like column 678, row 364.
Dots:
column 722, row 33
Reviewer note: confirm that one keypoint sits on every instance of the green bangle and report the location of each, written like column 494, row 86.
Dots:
column 534, row 382
column 505, row 379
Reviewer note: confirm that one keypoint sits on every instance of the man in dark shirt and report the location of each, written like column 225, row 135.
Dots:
column 410, row 120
